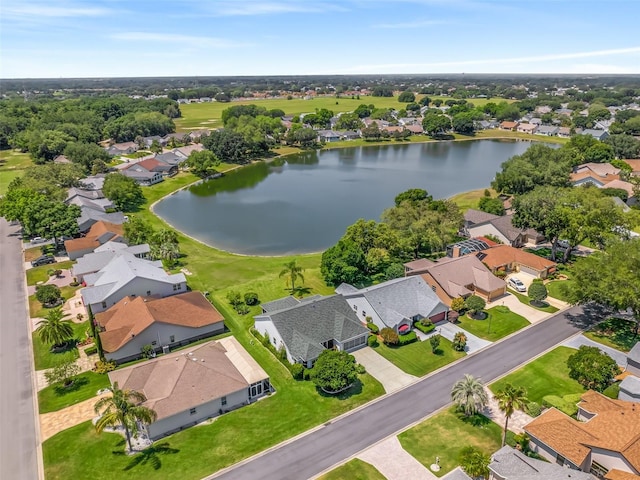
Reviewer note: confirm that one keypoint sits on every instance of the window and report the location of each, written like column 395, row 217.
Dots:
column 355, row 308
column 148, row 293
column 255, row 390
column 192, row 411
column 364, row 314
column 177, row 286
column 172, row 338
column 598, row 470
column 154, row 343
column 223, row 400
column 560, row 459
column 104, row 304
column 433, row 287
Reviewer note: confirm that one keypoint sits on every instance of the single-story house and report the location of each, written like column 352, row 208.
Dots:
column 163, row 323
column 547, row 130
column 89, row 198
column 503, row 229
column 125, row 276
column 604, row 440
column 328, row 136
column 567, row 112
column 157, row 165
column 89, row 216
column 509, row 259
column 509, row 126
column 597, row 134
column 350, row 135
column 196, row 135
column 457, row 277
column 99, row 233
column 635, row 167
column 178, row 137
column 415, row 129
column 469, row 246
column 124, row 148
column 564, row 132
column 633, row 360
column 629, row 389
column 148, row 141
column 529, row 128
column 187, row 387
column 474, row 217
column 511, row 464
column 308, row 328
column 396, row 303
column 101, row 256
column 184, row 152
column 93, row 182
column 61, row 159
column 142, row 175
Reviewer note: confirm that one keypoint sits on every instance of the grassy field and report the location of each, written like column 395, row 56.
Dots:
column 417, row 358
column 445, row 435
column 84, row 387
column 39, row 274
column 354, row 470
column 43, row 356
column 555, row 289
column 547, row 375
column 467, row 200
column 616, row 333
column 12, row 164
column 500, row 323
column 527, row 301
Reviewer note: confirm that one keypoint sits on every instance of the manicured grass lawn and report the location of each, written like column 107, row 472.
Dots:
column 615, row 333
column 445, row 435
column 500, row 323
column 32, row 253
column 555, row 289
column 43, row 356
column 467, row 200
column 12, row 165
column 39, row 274
column 417, row 359
column 84, row 387
column 527, row 301
column 36, row 310
column 354, row 470
column 547, row 375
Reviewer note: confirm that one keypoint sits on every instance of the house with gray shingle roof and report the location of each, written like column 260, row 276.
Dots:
column 502, row 228
column 630, row 389
column 308, row 328
column 633, row 360
column 396, row 303
column 101, row 256
column 511, row 464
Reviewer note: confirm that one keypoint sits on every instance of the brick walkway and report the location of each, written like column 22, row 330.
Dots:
column 517, row 421
column 54, row 422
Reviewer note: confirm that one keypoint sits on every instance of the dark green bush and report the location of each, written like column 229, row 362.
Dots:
column 251, row 298
column 360, row 370
column 534, row 409
column 425, row 327
column 408, row 338
column 372, row 341
column 297, row 371
column 373, row 327
column 91, row 350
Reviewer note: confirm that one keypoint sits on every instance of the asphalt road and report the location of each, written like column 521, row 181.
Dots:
column 340, row 439
column 18, row 439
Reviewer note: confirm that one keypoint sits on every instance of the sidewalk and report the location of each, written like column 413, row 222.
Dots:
column 390, row 376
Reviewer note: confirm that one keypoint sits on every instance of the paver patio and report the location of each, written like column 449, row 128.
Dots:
column 54, row 422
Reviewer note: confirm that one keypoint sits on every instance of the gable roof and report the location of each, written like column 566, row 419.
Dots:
column 511, row 464
column 400, row 299
column 600, row 169
column 634, row 353
column 182, row 380
column 280, row 304
column 500, row 255
column 454, row 275
column 634, row 164
column 615, row 426
column 418, row 265
column 306, row 326
column 89, row 216
column 472, row 216
column 133, row 315
column 101, row 256
column 93, row 237
column 504, row 225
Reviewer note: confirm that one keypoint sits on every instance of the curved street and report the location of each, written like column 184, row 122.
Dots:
column 339, row 439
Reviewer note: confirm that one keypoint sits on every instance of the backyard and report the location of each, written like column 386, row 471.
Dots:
column 417, row 359
column 500, row 322
column 445, row 435
column 616, row 333
column 354, row 470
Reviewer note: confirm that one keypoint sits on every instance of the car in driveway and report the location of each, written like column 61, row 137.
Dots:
column 516, row 284
column 43, row 260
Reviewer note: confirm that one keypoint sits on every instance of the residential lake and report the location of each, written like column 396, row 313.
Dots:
column 305, row 202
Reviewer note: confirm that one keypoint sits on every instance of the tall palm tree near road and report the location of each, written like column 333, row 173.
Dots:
column 293, row 272
column 469, row 395
column 53, row 329
column 123, row 408
column 510, row 399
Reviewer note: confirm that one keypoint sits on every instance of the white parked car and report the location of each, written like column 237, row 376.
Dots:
column 516, row 284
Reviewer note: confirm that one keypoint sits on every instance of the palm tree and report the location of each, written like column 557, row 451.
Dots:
column 510, row 399
column 53, row 329
column 123, row 408
column 293, row 272
column 469, row 395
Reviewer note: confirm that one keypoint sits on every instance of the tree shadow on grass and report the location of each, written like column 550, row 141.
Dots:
column 355, row 389
column 77, row 384
column 475, row 420
column 151, row 455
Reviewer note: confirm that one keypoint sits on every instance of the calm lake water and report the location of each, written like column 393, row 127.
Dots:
column 305, row 203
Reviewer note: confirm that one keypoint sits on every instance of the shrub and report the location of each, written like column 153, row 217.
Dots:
column 147, row 350
column 234, row 298
column 592, row 368
column 457, row 304
column 534, row 409
column 407, row 338
column 91, row 350
column 474, row 304
column 500, row 274
column 373, row 327
column 48, row 294
column 74, row 284
column 242, row 308
column 612, row 390
column 389, row 336
column 62, row 373
column 425, row 327
column 459, row 341
column 104, row 367
column 251, row 298
column 372, row 341
column 435, row 343
column 537, row 291
column 474, row 462
column 306, row 374
column 297, row 371
column 334, row 370
column 360, row 370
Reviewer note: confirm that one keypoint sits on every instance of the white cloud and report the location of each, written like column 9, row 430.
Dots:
column 21, row 10
column 169, row 38
column 416, row 24
column 247, row 8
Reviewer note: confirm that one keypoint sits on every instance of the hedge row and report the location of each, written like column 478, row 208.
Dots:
column 425, row 327
column 406, row 339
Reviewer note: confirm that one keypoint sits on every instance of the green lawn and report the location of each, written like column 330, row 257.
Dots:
column 500, row 323
column 12, row 165
column 43, row 356
column 36, row 310
column 555, row 289
column 616, row 333
column 467, row 200
column 416, row 358
column 527, row 301
column 354, row 470
column 445, row 435
column 84, row 387
column 547, row 375
column 39, row 274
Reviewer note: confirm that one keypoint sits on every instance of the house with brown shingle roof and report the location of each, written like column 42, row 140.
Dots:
column 187, row 387
column 509, row 259
column 100, row 233
column 604, row 440
column 635, row 167
column 462, row 276
column 529, row 128
column 509, row 126
column 177, row 320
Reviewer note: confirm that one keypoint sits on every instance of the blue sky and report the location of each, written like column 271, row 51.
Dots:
column 113, row 38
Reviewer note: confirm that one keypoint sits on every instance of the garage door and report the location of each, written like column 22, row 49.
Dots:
column 438, row 318
column 530, row 271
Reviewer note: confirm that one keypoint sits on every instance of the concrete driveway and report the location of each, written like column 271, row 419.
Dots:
column 390, row 376
column 520, row 308
column 580, row 340
column 449, row 330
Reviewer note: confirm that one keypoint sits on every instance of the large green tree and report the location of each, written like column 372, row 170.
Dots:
column 86, row 154
column 137, row 231
column 334, row 370
column 469, row 395
column 123, row 191
column 122, row 408
column 203, row 164
column 165, row 246
column 510, row 399
column 292, row 272
column 592, row 368
column 436, row 124
column 48, row 219
column 54, row 329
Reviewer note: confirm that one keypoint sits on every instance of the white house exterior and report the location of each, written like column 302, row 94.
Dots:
column 187, row 387
column 129, row 276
